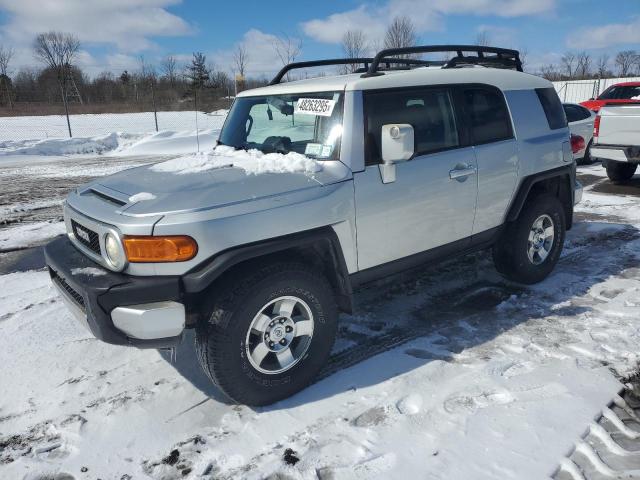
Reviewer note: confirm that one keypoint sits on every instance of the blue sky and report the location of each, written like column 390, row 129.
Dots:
column 114, row 33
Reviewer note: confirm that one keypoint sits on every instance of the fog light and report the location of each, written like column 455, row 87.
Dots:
column 114, row 251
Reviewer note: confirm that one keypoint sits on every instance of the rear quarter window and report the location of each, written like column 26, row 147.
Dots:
column 552, row 108
column 487, row 115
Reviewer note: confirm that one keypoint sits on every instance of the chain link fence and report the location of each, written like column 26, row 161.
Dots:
column 198, row 111
column 146, row 111
column 576, row 91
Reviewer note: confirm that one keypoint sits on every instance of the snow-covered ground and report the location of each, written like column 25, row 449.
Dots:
column 92, row 125
column 447, row 373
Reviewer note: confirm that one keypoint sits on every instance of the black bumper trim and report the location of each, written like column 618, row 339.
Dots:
column 98, row 295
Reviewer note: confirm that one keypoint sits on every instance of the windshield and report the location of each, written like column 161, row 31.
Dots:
column 306, row 123
column 621, row 93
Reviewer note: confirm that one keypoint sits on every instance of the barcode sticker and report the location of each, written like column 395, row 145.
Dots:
column 315, row 106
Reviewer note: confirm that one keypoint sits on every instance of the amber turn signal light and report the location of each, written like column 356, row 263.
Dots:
column 149, row 249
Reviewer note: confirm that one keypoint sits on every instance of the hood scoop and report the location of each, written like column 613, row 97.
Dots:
column 106, row 194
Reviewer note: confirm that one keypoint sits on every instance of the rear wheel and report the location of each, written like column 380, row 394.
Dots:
column 530, row 247
column 620, row 171
column 270, row 331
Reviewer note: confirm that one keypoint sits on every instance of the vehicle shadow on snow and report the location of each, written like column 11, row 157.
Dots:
column 451, row 307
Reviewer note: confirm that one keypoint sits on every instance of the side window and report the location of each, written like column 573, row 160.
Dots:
column 487, row 115
column 586, row 113
column 552, row 108
column 428, row 110
column 573, row 114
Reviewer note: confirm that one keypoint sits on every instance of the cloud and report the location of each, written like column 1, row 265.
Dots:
column 332, row 28
column 605, row 35
column 262, row 59
column 127, row 24
column 374, row 19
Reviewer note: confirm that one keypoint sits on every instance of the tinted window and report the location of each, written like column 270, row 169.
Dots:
column 575, row 113
column 487, row 114
column 552, row 108
column 428, row 111
column 621, row 93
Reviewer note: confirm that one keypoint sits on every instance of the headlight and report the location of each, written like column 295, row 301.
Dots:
column 114, row 251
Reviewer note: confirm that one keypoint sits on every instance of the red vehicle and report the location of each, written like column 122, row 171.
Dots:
column 627, row 92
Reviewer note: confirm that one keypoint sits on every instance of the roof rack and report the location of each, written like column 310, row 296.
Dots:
column 500, row 57
column 403, row 62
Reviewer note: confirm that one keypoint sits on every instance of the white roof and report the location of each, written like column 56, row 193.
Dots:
column 501, row 78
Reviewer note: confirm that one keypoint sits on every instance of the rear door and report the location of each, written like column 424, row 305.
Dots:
column 495, row 148
column 433, row 200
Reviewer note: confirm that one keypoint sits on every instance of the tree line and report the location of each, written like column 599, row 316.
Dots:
column 170, row 85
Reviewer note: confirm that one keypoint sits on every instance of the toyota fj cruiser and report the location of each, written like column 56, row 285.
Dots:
column 401, row 163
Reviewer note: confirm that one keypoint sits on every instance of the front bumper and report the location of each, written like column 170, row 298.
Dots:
column 147, row 312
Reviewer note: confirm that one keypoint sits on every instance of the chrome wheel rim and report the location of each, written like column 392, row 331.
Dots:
column 540, row 241
column 279, row 335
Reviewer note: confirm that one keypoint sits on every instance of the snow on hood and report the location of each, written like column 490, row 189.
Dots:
column 253, row 162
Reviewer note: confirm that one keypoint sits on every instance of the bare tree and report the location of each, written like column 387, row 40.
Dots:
column 550, row 72
column 625, row 60
column 354, row 45
column 568, row 62
column 6, row 55
column 240, row 58
column 169, row 68
column 583, row 64
column 401, row 33
column 523, row 54
column 602, row 65
column 57, row 50
column 483, row 39
column 287, row 49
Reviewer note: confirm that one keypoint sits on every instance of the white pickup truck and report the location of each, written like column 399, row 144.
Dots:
column 616, row 140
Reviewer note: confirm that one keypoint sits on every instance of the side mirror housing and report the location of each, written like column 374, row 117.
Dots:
column 397, row 145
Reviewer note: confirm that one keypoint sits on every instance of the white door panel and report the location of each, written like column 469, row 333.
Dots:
column 497, row 178
column 424, row 208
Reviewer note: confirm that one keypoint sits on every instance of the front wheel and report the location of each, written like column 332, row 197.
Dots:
column 620, row 171
column 270, row 331
column 530, row 246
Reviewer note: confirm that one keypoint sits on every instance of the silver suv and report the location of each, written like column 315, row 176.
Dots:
column 318, row 186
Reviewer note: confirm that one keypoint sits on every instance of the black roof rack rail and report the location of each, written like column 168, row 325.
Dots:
column 346, row 61
column 501, row 57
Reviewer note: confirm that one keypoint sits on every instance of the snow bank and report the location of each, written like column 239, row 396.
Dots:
column 254, row 162
column 66, row 146
column 123, row 134
column 27, row 235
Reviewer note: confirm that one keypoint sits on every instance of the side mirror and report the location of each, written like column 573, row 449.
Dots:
column 397, row 145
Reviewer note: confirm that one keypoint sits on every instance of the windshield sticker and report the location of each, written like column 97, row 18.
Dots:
column 326, row 151
column 315, row 106
column 313, row 149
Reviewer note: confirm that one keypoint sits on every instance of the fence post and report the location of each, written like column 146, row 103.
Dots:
column 153, row 102
column 66, row 108
column 195, row 107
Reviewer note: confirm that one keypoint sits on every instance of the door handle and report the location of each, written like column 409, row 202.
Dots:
column 462, row 172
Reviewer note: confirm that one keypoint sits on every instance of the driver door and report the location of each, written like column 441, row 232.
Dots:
column 432, row 201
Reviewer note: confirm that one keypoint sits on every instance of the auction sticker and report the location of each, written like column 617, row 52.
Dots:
column 315, row 106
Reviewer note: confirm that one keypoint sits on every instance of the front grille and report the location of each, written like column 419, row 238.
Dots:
column 81, row 233
column 79, row 299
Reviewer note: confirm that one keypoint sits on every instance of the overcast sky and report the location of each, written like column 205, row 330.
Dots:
column 114, row 33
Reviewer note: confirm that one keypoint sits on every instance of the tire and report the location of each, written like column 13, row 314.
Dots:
column 511, row 254
column 227, row 350
column 620, row 171
column 586, row 159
